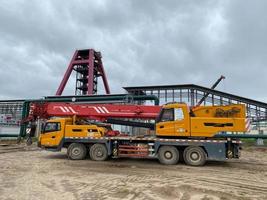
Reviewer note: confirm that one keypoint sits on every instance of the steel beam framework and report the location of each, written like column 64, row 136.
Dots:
column 191, row 94
column 88, row 66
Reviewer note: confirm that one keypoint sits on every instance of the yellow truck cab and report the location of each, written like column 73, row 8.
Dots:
column 173, row 120
column 179, row 120
column 55, row 130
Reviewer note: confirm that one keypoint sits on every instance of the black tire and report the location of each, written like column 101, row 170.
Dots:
column 181, row 156
column 168, row 155
column 195, row 156
column 98, row 152
column 77, row 151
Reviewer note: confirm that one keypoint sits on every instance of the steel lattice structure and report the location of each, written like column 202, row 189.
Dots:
column 88, row 66
column 191, row 94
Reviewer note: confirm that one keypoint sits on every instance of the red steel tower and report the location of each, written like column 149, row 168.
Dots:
column 88, row 66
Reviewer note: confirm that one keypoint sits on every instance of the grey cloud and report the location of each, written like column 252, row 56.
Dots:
column 142, row 43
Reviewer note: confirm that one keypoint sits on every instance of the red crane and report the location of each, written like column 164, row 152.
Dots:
column 94, row 111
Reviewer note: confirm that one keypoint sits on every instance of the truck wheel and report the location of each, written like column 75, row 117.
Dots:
column 195, row 156
column 76, row 151
column 168, row 155
column 98, row 152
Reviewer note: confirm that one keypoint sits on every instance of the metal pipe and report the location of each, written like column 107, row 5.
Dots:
column 99, row 98
column 213, row 87
column 131, row 123
column 25, row 111
column 6, row 135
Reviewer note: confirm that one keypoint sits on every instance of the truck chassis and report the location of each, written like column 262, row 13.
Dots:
column 169, row 151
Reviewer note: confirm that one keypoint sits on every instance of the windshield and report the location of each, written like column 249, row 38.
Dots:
column 51, row 126
column 166, row 115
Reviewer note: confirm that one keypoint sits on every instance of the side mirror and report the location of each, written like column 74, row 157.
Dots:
column 158, row 118
column 42, row 128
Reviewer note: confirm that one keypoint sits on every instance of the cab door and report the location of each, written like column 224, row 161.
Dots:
column 51, row 134
column 181, row 120
column 165, row 124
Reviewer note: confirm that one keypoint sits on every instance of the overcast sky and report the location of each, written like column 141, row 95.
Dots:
column 142, row 43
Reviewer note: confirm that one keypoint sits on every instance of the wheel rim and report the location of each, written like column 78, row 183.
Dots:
column 99, row 153
column 195, row 156
column 168, row 155
column 76, row 151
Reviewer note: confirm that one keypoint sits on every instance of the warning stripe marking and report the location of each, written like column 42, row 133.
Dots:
column 96, row 109
column 102, row 111
column 104, row 108
column 66, row 108
column 248, row 124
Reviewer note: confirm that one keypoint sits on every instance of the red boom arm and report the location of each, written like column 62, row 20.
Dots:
column 95, row 111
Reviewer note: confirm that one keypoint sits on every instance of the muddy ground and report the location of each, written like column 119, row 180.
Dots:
column 38, row 174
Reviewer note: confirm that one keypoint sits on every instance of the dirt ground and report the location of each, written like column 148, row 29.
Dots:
column 38, row 174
